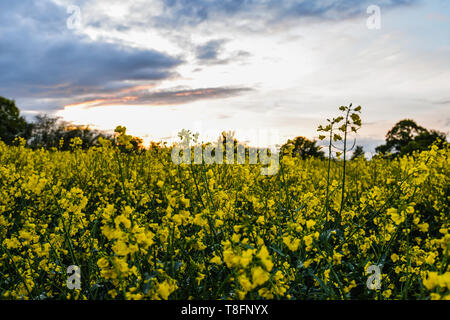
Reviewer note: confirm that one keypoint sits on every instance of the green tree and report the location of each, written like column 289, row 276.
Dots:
column 46, row 132
column 358, row 153
column 302, row 147
column 407, row 136
column 12, row 125
column 424, row 140
column 51, row 132
column 126, row 142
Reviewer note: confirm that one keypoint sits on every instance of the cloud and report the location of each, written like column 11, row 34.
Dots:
column 443, row 102
column 213, row 53
column 210, row 50
column 42, row 58
column 181, row 22
column 183, row 16
column 195, row 12
column 144, row 96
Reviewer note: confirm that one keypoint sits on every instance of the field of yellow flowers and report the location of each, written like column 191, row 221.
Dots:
column 140, row 227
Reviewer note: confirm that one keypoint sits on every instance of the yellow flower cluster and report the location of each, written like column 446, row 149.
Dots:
column 140, row 227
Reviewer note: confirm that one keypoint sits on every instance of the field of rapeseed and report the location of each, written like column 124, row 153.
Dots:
column 140, row 227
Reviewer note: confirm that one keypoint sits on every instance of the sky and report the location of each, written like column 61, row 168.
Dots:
column 270, row 70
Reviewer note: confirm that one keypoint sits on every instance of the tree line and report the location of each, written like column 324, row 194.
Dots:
column 51, row 132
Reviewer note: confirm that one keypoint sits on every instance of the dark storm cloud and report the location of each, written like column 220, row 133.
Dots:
column 40, row 56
